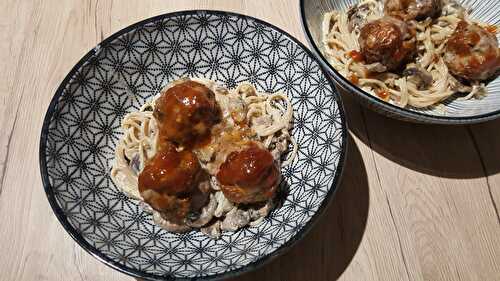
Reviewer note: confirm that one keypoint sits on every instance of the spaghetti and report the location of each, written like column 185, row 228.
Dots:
column 269, row 120
column 340, row 32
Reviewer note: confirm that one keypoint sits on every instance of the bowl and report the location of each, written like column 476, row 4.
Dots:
column 455, row 111
column 82, row 127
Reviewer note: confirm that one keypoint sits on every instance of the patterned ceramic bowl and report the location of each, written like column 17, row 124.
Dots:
column 81, row 129
column 455, row 111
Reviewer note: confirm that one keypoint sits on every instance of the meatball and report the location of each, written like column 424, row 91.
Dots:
column 249, row 176
column 388, row 41
column 186, row 113
column 472, row 52
column 170, row 182
column 413, row 9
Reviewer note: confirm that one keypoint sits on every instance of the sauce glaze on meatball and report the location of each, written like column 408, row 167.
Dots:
column 169, row 183
column 388, row 41
column 413, row 9
column 472, row 52
column 249, row 175
column 186, row 113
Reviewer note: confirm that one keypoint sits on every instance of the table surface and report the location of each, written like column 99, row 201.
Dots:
column 417, row 202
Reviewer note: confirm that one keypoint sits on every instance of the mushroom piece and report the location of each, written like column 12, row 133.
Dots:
column 453, row 8
column 213, row 230
column 358, row 15
column 376, row 67
column 418, row 76
column 235, row 219
column 135, row 164
column 206, row 214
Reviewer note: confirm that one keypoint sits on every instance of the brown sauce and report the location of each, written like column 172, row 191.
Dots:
column 249, row 175
column 169, row 180
column 171, row 172
column 186, row 113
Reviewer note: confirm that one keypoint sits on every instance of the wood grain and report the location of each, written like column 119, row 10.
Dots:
column 416, row 202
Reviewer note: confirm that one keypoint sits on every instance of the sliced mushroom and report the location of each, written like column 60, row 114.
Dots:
column 223, row 205
column 258, row 215
column 145, row 207
column 135, row 164
column 213, row 230
column 235, row 219
column 172, row 227
column 418, row 76
column 453, row 8
column 205, row 216
column 376, row 67
column 358, row 15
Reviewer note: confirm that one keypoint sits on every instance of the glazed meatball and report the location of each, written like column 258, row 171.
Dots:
column 388, row 41
column 169, row 183
column 249, row 176
column 472, row 52
column 186, row 113
column 413, row 9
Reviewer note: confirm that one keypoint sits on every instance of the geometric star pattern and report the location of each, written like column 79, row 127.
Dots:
column 82, row 128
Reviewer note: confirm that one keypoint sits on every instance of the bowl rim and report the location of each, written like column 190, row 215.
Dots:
column 265, row 259
column 403, row 112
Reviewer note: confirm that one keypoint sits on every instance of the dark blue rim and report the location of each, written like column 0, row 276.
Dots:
column 411, row 115
column 139, row 274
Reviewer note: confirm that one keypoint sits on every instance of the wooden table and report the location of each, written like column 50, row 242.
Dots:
column 416, row 202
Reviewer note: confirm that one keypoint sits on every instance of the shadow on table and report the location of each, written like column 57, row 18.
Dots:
column 439, row 150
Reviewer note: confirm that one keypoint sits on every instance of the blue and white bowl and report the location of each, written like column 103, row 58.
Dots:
column 82, row 127
column 455, row 111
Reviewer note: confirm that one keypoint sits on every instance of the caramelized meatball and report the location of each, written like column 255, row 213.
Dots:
column 472, row 52
column 169, row 183
column 388, row 41
column 249, row 176
column 413, row 9
column 186, row 113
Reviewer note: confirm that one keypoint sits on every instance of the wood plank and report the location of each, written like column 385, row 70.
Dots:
column 13, row 35
column 434, row 184
column 37, row 247
column 486, row 139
